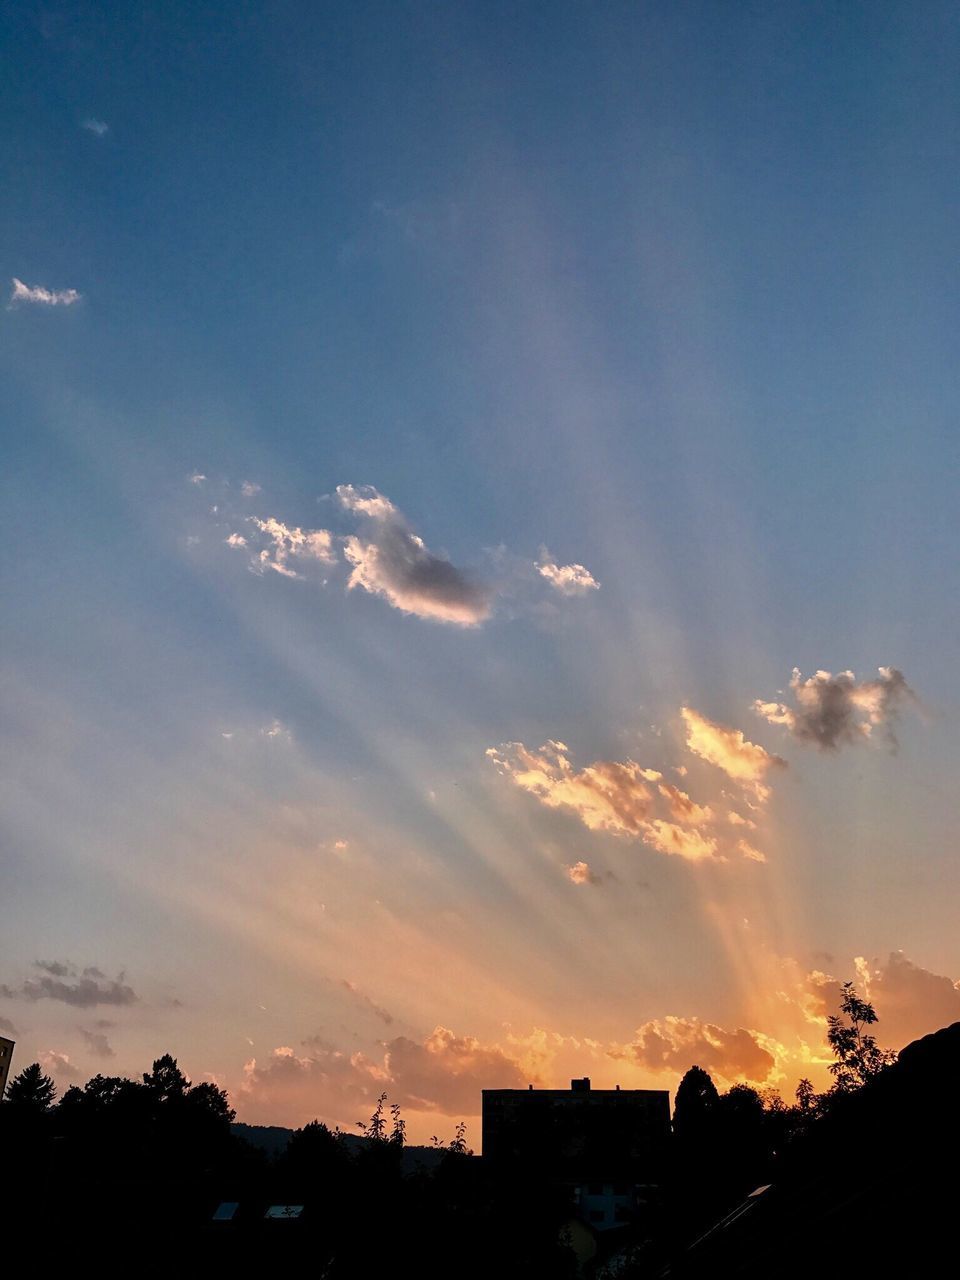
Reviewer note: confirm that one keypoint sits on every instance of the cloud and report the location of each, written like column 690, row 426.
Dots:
column 97, row 1043
column 683, row 808
column 276, row 730
column 41, row 296
column 606, row 796
column 64, row 982
column 748, row 851
column 95, row 126
column 568, row 579
column 284, row 545
column 197, row 478
column 58, row 1065
column 667, row 837
column 393, row 562
column 675, row 1044
column 580, row 873
column 609, row 795
column 728, row 749
column 442, row 1073
column 836, row 710
column 909, row 1001
column 7, row 1025
column 738, row 820
column 365, row 1000
column 249, row 489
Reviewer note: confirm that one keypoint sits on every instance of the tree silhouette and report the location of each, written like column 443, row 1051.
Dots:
column 694, row 1105
column 166, row 1081
column 858, row 1056
column 376, row 1128
column 31, row 1088
column 805, row 1095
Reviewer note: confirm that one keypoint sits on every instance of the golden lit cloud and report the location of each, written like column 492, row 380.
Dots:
column 675, row 1044
column 580, row 873
column 669, row 838
column 606, row 795
column 616, row 796
column 745, row 762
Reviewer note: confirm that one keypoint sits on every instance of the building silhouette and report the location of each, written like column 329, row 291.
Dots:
column 607, row 1146
column 6, row 1057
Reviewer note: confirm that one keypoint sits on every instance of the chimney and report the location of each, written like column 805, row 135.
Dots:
column 580, row 1086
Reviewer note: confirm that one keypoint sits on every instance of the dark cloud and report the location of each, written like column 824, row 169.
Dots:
column 97, row 1043
column 7, row 1025
column 837, row 710
column 393, row 562
column 84, row 989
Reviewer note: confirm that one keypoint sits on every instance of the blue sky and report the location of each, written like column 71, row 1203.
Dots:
column 664, row 291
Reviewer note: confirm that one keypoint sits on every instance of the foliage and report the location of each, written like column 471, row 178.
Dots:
column 695, row 1101
column 858, row 1056
column 805, row 1095
column 31, row 1088
column 376, row 1127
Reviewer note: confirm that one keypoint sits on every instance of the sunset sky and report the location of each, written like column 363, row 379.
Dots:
column 479, row 493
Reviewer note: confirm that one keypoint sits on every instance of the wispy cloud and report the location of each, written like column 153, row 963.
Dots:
column 39, row 295
column 393, row 562
column 377, row 1010
column 95, row 126
column 568, row 579
column 835, row 710
column 745, row 762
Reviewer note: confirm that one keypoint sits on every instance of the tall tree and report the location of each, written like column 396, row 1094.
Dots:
column 31, row 1088
column 694, row 1105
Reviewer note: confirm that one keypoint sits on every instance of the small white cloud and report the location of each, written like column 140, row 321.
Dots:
column 249, row 489
column 394, row 562
column 568, row 579
column 286, row 544
column 236, row 540
column 197, row 478
column 276, row 729
column 95, row 126
column 42, row 296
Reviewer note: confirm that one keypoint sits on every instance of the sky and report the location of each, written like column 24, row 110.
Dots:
column 479, row 494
